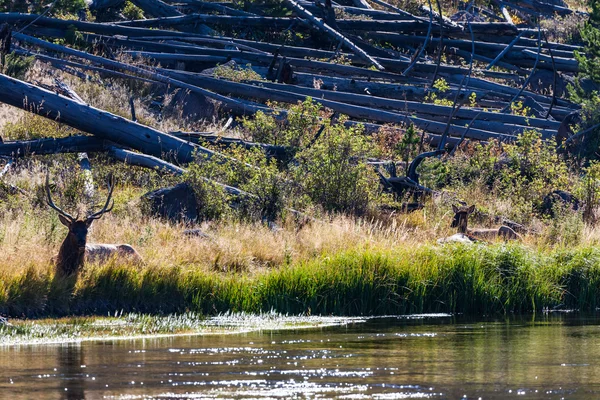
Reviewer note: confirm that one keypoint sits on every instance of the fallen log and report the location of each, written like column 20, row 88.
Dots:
column 500, row 88
column 335, row 35
column 504, row 51
column 157, row 8
column 414, row 92
column 231, row 103
column 76, row 144
column 101, row 4
column 246, row 90
column 414, row 107
column 362, row 4
column 143, row 160
column 277, row 152
column 133, row 32
column 209, row 6
column 71, row 144
column 562, row 64
column 538, row 7
column 504, row 12
column 245, row 57
column 61, row 63
column 480, row 46
column 338, row 82
column 101, row 123
column 373, row 14
column 419, row 26
column 395, row 9
column 169, row 45
column 83, row 26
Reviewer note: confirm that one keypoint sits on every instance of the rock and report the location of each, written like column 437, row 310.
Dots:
column 535, row 108
column 577, row 146
column 587, row 85
column 177, row 203
column 196, row 233
column 465, row 16
column 192, row 106
column 274, row 227
column 559, row 198
column 566, row 128
column 211, row 71
column 542, row 81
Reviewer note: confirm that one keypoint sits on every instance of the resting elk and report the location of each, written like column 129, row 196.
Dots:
column 75, row 249
column 461, row 216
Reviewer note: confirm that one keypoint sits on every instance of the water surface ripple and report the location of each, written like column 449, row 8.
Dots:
column 429, row 357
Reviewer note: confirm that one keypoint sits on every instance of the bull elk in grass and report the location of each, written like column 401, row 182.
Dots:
column 461, row 216
column 75, row 249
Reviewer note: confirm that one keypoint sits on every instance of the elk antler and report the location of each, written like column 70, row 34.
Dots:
column 106, row 207
column 51, row 203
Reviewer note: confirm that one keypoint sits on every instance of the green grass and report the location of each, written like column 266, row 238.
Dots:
column 474, row 280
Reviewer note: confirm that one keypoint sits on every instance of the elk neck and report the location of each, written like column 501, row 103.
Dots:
column 460, row 222
column 71, row 255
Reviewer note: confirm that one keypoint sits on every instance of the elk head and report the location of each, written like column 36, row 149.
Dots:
column 72, row 250
column 461, row 216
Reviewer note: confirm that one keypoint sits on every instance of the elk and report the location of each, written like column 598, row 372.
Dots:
column 461, row 216
column 75, row 249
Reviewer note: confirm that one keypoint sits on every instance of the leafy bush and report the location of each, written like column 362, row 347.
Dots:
column 16, row 65
column 532, row 168
column 589, row 69
column 131, row 11
column 407, row 146
column 211, row 198
column 301, row 126
column 333, row 172
column 589, row 191
column 520, row 173
column 589, row 65
column 441, row 87
column 248, row 170
column 565, row 228
column 329, row 169
column 236, row 73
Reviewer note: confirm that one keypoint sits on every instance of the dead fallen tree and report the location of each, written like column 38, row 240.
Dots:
column 333, row 33
column 200, row 84
column 360, row 112
column 71, row 144
column 101, row 123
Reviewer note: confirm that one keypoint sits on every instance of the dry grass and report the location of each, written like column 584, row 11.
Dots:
column 32, row 236
column 564, row 29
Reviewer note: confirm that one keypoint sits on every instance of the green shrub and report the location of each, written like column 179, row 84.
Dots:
column 589, row 65
column 333, row 172
column 17, row 66
column 211, row 198
column 532, row 169
column 407, row 147
column 236, row 73
column 131, row 11
column 297, row 131
column 248, row 170
column 589, row 191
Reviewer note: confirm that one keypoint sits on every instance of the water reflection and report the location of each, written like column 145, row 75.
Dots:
column 547, row 357
column 71, row 367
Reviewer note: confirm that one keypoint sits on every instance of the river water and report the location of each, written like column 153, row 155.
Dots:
column 551, row 356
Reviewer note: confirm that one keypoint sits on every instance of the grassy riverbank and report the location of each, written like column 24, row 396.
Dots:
column 475, row 279
column 357, row 254
column 134, row 326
